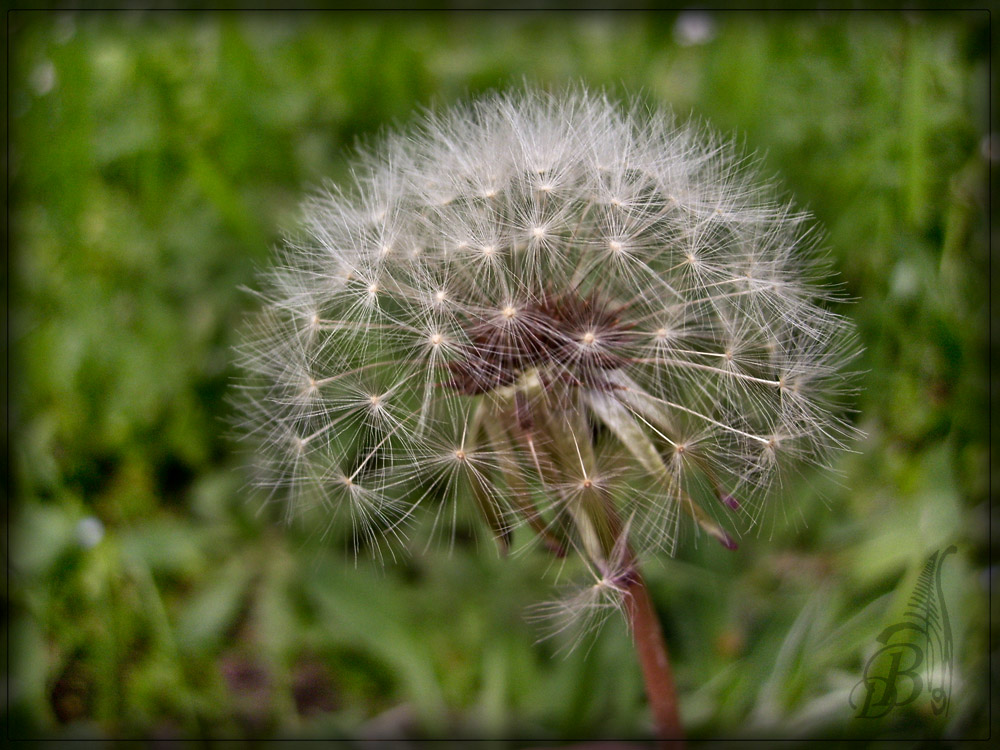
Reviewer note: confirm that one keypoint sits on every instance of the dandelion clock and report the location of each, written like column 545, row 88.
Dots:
column 590, row 323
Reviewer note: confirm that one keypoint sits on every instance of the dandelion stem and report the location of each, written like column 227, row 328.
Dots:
column 654, row 660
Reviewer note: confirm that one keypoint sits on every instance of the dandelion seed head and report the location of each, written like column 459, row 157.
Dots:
column 548, row 299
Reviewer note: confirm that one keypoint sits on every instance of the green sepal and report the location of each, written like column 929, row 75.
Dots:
column 621, row 421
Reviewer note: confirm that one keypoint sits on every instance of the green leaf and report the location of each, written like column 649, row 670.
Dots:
column 207, row 616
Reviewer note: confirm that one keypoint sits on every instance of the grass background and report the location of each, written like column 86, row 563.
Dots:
column 154, row 161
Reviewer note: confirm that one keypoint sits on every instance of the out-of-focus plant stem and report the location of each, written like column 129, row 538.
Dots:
column 651, row 649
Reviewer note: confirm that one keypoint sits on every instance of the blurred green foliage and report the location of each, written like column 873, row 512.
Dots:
column 155, row 159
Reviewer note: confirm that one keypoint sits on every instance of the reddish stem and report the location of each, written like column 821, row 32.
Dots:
column 652, row 652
